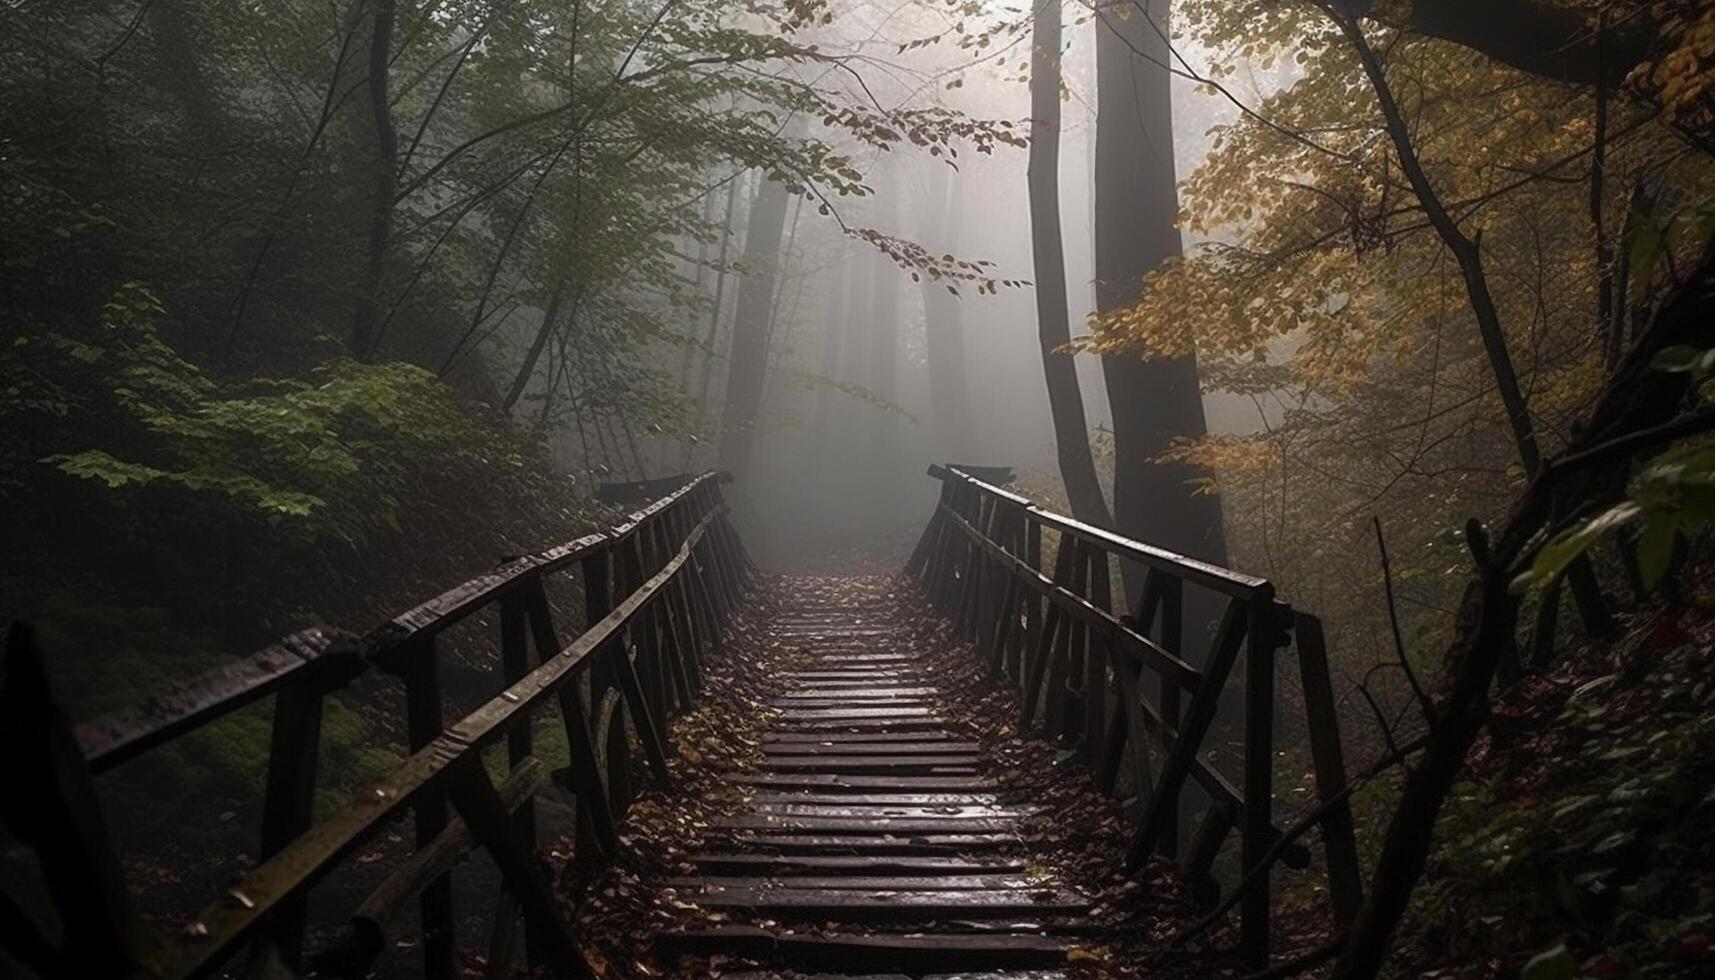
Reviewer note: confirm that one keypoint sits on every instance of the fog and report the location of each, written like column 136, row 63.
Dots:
column 840, row 455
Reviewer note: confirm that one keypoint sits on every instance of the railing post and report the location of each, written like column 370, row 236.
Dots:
column 1339, row 841
column 288, row 803
column 1265, row 634
column 637, row 637
column 1095, row 659
column 1060, row 654
column 1172, row 712
column 514, row 664
column 417, row 664
column 49, row 802
column 1229, row 637
column 1033, row 607
column 582, row 772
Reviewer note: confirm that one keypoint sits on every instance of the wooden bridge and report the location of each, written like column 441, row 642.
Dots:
column 871, row 834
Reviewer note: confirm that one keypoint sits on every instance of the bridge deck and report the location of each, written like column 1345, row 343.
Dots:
column 876, row 833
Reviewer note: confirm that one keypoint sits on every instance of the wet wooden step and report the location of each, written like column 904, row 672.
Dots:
column 830, row 727
column 867, row 675
column 875, row 764
column 962, row 975
column 762, row 865
column 896, row 811
column 946, row 845
column 863, row 693
column 828, row 782
column 892, row 906
column 849, row 738
column 765, row 798
column 910, row 953
column 835, row 747
column 811, row 704
column 858, row 826
column 873, row 883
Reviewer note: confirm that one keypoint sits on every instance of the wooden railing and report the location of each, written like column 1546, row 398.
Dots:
column 657, row 591
column 1080, row 664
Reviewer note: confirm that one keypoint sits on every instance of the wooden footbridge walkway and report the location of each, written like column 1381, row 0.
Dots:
column 871, row 808
column 873, row 837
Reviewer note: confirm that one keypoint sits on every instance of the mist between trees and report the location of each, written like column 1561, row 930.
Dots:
column 313, row 308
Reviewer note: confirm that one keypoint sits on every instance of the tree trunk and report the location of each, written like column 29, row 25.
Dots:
column 748, row 363
column 526, row 370
column 842, row 296
column 701, row 273
column 383, row 178
column 702, row 403
column 1053, row 321
column 952, row 427
column 1153, row 402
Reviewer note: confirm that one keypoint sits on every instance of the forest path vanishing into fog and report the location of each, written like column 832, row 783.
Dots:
column 878, row 822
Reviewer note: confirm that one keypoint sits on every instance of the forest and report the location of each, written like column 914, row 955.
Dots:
column 801, row 488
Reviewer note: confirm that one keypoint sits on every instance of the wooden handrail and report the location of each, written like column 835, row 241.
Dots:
column 677, row 568
column 450, row 607
column 1080, row 665
column 227, row 922
column 185, row 705
column 1202, row 573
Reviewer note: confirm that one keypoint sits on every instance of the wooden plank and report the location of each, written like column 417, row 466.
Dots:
column 888, row 883
column 1258, row 818
column 851, row 714
column 860, row 693
column 448, row 608
column 864, row 811
column 865, row 825
column 918, row 725
column 176, row 708
column 226, row 923
column 876, row 737
column 1055, row 589
column 944, row 844
column 768, row 798
column 379, row 914
column 864, row 783
column 874, row 764
column 485, row 814
column 867, row 864
column 916, row 704
column 892, row 906
column 49, row 803
column 423, row 707
column 1208, row 575
column 909, row 953
column 1223, row 652
column 835, row 748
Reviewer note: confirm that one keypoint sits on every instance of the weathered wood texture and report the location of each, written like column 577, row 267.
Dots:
column 894, row 834
column 1115, row 682
column 648, row 630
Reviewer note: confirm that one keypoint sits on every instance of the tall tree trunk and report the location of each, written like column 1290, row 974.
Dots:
column 383, row 178
column 883, row 378
column 702, row 275
column 748, row 363
column 526, row 370
column 702, row 404
column 1053, row 321
column 952, row 427
column 1153, row 402
column 835, row 326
